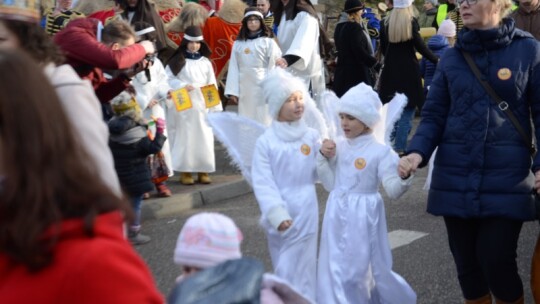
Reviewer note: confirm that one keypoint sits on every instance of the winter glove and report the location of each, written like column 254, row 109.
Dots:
column 160, row 125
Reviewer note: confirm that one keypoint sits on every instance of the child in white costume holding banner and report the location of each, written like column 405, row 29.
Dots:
column 355, row 261
column 192, row 140
column 283, row 175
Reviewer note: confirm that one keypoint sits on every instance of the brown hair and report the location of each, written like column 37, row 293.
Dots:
column 243, row 34
column 47, row 177
column 117, row 31
column 35, row 41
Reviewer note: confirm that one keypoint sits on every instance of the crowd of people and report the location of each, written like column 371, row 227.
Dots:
column 106, row 84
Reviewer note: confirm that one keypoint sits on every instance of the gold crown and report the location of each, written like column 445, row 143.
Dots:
column 25, row 10
column 120, row 108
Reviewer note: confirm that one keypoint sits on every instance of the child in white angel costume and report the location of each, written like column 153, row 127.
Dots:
column 254, row 53
column 192, row 139
column 355, row 261
column 282, row 174
column 151, row 87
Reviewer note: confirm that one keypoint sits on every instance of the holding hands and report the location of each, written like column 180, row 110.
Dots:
column 408, row 165
column 282, row 63
column 328, row 148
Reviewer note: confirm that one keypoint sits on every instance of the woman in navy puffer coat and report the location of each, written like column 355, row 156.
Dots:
column 482, row 179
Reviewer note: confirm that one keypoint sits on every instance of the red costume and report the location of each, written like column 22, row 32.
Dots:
column 220, row 36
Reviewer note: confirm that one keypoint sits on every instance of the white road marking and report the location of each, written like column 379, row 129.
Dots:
column 400, row 238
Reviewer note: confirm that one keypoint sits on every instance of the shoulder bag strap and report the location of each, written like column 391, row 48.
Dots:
column 503, row 105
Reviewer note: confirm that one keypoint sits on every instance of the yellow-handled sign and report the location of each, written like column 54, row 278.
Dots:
column 211, row 95
column 181, row 99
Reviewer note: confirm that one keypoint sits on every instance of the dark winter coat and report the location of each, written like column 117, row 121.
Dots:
column 401, row 72
column 354, row 58
column 130, row 147
column 437, row 45
column 482, row 166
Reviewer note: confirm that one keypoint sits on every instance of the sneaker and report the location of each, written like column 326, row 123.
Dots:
column 137, row 238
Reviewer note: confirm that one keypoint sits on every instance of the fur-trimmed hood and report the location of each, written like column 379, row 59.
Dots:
column 232, row 11
column 87, row 7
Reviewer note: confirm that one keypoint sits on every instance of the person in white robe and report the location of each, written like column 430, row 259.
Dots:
column 192, row 139
column 151, row 87
column 283, row 177
column 355, row 260
column 298, row 34
column 254, row 53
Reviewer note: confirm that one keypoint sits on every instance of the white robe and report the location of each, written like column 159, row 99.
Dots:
column 192, row 139
column 284, row 174
column 300, row 37
column 355, row 260
column 156, row 88
column 250, row 61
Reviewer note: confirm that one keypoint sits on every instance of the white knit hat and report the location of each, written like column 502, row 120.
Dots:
column 402, row 3
column 277, row 86
column 208, row 239
column 447, row 28
column 363, row 103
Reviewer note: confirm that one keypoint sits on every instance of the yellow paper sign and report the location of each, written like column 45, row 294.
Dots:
column 181, row 99
column 211, row 95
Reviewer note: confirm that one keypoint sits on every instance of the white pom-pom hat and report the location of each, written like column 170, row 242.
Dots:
column 277, row 86
column 363, row 103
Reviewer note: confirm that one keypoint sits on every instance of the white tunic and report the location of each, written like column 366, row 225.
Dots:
column 355, row 261
column 156, row 88
column 250, row 61
column 300, row 37
column 192, row 140
column 284, row 174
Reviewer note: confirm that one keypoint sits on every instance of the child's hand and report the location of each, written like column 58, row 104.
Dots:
column 190, row 88
column 408, row 164
column 169, row 94
column 284, row 225
column 160, row 125
column 282, row 63
column 152, row 103
column 233, row 100
column 328, row 148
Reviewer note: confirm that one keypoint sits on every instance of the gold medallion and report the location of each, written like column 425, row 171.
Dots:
column 305, row 149
column 504, row 74
column 360, row 163
column 247, row 51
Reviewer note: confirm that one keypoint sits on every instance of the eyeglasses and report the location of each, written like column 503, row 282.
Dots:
column 469, row 2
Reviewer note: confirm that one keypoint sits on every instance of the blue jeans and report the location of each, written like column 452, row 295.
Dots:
column 402, row 128
column 136, row 203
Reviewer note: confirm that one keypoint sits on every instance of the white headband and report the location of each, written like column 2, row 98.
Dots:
column 194, row 39
column 145, row 31
column 256, row 13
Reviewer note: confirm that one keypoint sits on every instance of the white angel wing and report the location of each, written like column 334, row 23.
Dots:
column 390, row 113
column 239, row 135
column 329, row 104
column 314, row 118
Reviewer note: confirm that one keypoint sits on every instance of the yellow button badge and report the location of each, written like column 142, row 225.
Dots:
column 360, row 163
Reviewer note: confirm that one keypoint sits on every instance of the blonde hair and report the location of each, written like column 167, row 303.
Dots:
column 193, row 14
column 399, row 24
column 505, row 5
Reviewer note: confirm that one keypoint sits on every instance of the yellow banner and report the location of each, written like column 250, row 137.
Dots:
column 181, row 99
column 211, row 95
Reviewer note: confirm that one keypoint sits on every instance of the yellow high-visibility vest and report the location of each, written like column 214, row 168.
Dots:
column 441, row 13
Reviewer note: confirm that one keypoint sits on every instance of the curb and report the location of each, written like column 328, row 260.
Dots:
column 156, row 208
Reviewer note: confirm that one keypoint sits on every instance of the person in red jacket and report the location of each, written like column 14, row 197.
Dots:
column 89, row 49
column 62, row 236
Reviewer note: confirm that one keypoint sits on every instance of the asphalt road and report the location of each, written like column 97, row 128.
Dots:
column 425, row 263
